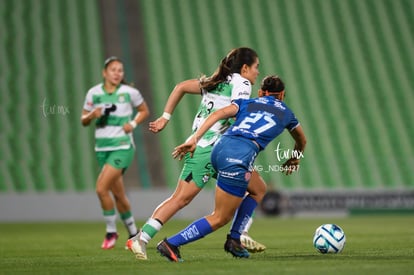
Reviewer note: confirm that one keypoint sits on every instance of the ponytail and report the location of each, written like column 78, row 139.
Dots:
column 230, row 64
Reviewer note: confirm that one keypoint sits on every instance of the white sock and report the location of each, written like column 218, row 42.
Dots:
column 110, row 221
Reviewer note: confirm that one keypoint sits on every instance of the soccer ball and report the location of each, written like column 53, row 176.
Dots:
column 329, row 238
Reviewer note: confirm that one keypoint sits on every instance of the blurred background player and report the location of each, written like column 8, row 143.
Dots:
column 112, row 105
column 258, row 122
column 232, row 80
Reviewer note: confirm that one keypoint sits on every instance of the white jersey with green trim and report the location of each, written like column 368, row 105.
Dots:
column 111, row 136
column 235, row 87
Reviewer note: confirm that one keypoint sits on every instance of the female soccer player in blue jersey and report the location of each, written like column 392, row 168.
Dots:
column 258, row 122
column 111, row 104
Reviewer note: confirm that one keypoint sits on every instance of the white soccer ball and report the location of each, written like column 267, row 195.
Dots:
column 329, row 238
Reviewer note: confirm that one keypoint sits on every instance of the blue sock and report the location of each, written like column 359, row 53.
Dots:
column 195, row 231
column 242, row 216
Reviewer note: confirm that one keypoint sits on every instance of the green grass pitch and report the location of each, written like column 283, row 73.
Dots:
column 375, row 245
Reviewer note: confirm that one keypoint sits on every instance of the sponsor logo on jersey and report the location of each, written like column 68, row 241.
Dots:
column 279, row 105
column 244, row 93
column 228, row 174
column 232, row 160
column 121, row 98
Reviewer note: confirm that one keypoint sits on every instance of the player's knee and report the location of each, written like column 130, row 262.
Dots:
column 257, row 190
column 260, row 193
column 219, row 220
column 101, row 192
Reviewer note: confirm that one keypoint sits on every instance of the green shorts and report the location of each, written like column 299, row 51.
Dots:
column 198, row 168
column 119, row 159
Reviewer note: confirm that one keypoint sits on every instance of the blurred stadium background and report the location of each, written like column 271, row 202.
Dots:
column 348, row 66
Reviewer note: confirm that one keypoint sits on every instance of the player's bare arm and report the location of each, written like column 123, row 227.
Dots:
column 87, row 116
column 142, row 114
column 298, row 135
column 191, row 86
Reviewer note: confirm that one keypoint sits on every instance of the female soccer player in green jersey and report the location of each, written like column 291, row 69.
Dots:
column 112, row 104
column 233, row 79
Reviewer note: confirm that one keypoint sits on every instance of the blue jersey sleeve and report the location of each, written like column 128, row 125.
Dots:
column 293, row 123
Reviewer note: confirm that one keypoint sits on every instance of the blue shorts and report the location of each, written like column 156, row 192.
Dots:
column 233, row 158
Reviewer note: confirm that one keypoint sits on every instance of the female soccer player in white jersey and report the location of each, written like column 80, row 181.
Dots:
column 112, row 104
column 258, row 122
column 232, row 80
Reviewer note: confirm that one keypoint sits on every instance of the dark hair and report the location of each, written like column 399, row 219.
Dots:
column 111, row 59
column 272, row 84
column 232, row 63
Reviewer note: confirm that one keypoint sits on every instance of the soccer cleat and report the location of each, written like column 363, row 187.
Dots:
column 138, row 247
column 128, row 243
column 169, row 251
column 130, row 237
column 235, row 247
column 110, row 240
column 251, row 245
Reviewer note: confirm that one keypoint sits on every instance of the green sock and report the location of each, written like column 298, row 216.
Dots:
column 150, row 229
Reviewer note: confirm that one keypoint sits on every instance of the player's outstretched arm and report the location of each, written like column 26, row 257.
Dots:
column 291, row 164
column 191, row 86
